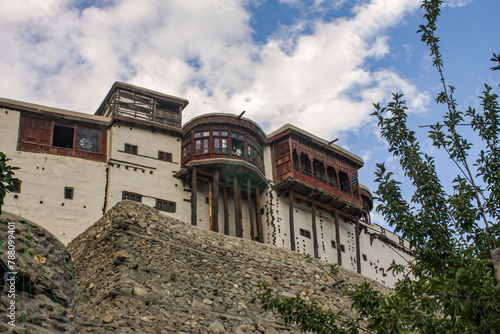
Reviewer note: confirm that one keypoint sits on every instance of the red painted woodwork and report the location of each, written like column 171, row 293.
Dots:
column 189, row 145
column 284, row 168
column 35, row 135
column 35, row 130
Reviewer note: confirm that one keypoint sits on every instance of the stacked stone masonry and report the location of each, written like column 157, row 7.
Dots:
column 44, row 295
column 138, row 271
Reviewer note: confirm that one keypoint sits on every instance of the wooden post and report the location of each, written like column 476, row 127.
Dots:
column 314, row 230
column 260, row 233
column 215, row 201
column 210, row 207
column 250, row 209
column 240, row 214
column 358, row 250
column 290, row 217
column 236, row 207
column 337, row 239
column 194, row 195
column 226, row 210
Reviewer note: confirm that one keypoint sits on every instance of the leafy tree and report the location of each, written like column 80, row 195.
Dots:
column 7, row 179
column 450, row 287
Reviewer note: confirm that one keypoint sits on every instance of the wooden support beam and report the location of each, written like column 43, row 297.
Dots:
column 314, row 230
column 250, row 208
column 290, row 218
column 324, row 206
column 260, row 234
column 237, row 205
column 337, row 238
column 329, row 203
column 215, row 201
column 309, row 194
column 194, row 197
column 210, row 207
column 358, row 250
column 226, row 210
column 240, row 214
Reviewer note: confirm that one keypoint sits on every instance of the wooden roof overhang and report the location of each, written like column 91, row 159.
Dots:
column 321, row 198
column 225, row 120
column 228, row 168
column 289, row 130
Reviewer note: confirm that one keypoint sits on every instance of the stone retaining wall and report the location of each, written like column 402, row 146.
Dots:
column 43, row 292
column 141, row 272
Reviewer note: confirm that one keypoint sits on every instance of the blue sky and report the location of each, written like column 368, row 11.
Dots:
column 314, row 63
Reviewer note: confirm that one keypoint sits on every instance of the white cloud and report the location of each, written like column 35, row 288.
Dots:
column 204, row 51
column 457, row 3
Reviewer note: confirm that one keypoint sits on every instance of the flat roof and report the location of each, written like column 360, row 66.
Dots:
column 140, row 90
column 40, row 109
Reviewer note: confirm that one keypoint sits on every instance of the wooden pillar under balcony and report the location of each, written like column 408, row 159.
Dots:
column 358, row 250
column 215, row 201
column 240, row 213
column 226, row 210
column 260, row 234
column 194, row 195
column 314, row 230
column 210, row 207
column 237, row 208
column 290, row 218
column 337, row 239
column 250, row 209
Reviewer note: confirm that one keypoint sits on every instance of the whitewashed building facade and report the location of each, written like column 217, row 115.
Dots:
column 219, row 171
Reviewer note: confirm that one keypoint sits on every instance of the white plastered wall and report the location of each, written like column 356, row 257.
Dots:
column 378, row 252
column 143, row 173
column 44, row 178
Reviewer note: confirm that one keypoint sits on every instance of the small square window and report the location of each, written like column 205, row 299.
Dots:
column 334, row 245
column 163, row 205
column 342, row 248
column 305, row 233
column 201, row 146
column 165, row 156
column 220, row 145
column 87, row 139
column 63, row 136
column 17, row 187
column 365, row 258
column 132, row 149
column 131, row 197
column 69, row 192
column 238, row 147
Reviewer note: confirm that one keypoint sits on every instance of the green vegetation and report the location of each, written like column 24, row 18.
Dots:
column 7, row 179
column 450, row 287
